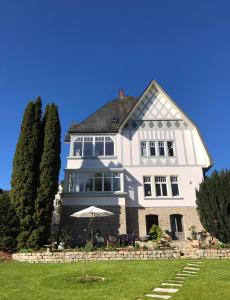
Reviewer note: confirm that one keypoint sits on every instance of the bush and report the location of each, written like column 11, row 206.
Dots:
column 213, row 204
column 156, row 233
column 193, row 231
column 8, row 224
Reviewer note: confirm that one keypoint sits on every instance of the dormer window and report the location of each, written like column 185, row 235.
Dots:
column 114, row 120
column 89, row 146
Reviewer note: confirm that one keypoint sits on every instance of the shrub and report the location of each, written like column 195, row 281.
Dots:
column 193, row 232
column 156, row 233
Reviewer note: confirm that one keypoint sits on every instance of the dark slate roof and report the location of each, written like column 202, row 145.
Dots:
column 101, row 120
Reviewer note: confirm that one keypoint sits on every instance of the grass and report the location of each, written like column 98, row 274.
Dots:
column 123, row 280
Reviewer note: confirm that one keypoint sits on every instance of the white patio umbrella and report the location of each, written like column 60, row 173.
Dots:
column 91, row 212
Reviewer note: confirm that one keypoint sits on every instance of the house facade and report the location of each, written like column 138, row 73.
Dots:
column 141, row 158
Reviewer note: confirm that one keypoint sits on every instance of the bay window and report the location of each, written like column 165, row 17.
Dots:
column 94, row 182
column 93, row 146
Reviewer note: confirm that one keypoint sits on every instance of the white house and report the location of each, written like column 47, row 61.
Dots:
column 141, row 158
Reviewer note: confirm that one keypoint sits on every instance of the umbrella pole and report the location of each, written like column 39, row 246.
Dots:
column 92, row 231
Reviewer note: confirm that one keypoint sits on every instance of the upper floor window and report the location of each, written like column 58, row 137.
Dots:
column 147, row 186
column 174, row 186
column 161, row 186
column 152, row 148
column 143, row 148
column 93, row 146
column 161, row 147
column 157, row 148
column 170, row 148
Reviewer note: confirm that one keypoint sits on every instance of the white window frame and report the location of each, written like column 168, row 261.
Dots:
column 173, row 147
column 161, row 182
column 72, row 181
column 83, row 139
column 151, row 186
column 146, row 147
column 164, row 145
column 178, row 185
column 155, row 146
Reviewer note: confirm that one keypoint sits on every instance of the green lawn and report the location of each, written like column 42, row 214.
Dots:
column 123, row 280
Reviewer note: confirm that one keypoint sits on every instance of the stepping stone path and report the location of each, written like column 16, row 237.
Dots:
column 167, row 289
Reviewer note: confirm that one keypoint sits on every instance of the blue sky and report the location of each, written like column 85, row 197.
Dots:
column 79, row 53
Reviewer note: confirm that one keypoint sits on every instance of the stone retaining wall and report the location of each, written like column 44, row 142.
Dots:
column 74, row 256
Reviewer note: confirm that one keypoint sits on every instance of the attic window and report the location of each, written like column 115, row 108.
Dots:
column 114, row 120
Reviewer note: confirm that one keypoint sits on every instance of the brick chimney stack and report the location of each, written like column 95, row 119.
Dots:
column 121, row 94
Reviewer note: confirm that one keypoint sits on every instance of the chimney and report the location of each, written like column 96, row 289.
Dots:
column 121, row 94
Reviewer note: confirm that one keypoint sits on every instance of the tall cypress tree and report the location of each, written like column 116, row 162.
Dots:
column 49, row 174
column 23, row 181
column 213, row 204
column 25, row 171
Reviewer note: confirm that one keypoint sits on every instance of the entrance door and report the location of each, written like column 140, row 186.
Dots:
column 150, row 221
column 177, row 227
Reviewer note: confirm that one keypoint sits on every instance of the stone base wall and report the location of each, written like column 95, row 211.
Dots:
column 114, row 225
column 61, row 257
column 136, row 221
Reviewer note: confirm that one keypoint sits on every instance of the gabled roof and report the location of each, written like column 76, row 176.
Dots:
column 101, row 121
column 154, row 84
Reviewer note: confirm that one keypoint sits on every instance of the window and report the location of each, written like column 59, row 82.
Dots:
column 78, row 145
column 80, row 183
column 88, row 146
column 93, row 146
column 107, row 182
column 170, row 148
column 161, row 146
column 143, row 149
column 147, row 186
column 161, row 186
column 174, row 186
column 94, row 182
column 89, row 180
column 152, row 148
column 98, row 182
column 116, row 182
column 109, row 146
column 99, row 146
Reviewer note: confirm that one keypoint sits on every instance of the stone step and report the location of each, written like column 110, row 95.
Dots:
column 184, row 274
column 175, row 280
column 163, row 290
column 194, row 265
column 171, row 284
column 158, row 296
column 179, row 278
column 191, row 268
column 189, row 272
